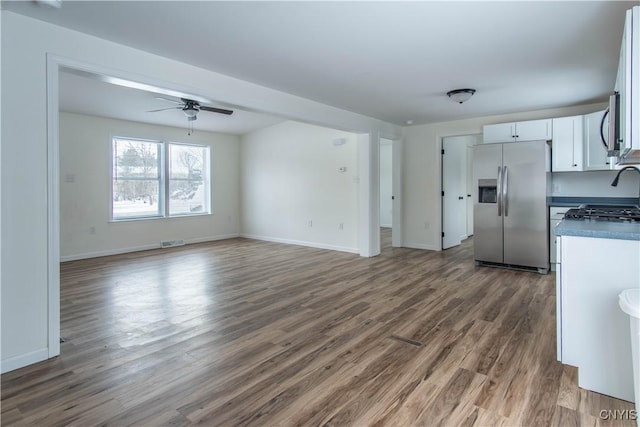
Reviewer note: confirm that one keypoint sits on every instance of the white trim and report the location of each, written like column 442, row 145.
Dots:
column 439, row 224
column 396, row 183
column 422, row 246
column 386, row 225
column 23, row 360
column 369, row 194
column 53, row 208
column 301, row 243
column 129, row 249
column 211, row 238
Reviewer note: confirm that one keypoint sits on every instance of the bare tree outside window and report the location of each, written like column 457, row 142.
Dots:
column 188, row 189
column 136, row 178
column 140, row 179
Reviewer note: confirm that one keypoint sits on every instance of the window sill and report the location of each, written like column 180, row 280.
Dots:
column 155, row 218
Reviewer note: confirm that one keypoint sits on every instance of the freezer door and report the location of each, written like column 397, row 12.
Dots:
column 487, row 220
column 526, row 236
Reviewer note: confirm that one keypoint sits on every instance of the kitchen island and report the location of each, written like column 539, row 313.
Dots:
column 597, row 261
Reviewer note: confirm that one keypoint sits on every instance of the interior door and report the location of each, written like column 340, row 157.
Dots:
column 454, row 187
column 487, row 219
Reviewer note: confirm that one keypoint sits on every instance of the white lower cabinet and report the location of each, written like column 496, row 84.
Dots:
column 555, row 216
column 593, row 331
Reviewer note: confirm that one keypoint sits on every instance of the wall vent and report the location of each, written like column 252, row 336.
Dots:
column 172, row 243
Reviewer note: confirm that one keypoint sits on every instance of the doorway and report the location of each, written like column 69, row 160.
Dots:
column 390, row 193
column 457, row 200
column 386, row 193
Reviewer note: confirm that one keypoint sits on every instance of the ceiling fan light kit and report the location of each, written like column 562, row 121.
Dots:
column 190, row 108
column 191, row 111
column 461, row 95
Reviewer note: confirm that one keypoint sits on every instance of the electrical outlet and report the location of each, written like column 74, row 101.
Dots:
column 92, row 230
column 341, row 226
column 426, row 225
column 310, row 223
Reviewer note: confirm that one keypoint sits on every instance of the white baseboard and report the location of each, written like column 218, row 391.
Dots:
column 302, row 243
column 22, row 360
column 142, row 248
column 421, row 246
column 211, row 238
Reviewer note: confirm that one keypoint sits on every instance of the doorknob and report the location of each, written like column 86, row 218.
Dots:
column 460, row 198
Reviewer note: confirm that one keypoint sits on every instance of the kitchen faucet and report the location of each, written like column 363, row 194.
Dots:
column 614, row 183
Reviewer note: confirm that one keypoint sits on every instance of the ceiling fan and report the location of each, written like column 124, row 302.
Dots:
column 190, row 108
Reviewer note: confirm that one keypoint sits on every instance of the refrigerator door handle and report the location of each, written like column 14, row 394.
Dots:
column 505, row 189
column 499, row 190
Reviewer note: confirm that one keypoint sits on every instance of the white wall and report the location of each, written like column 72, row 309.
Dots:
column 290, row 177
column 595, row 184
column 26, row 46
column 421, row 178
column 85, row 143
column 386, row 183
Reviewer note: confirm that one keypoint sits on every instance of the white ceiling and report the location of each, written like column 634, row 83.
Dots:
column 390, row 60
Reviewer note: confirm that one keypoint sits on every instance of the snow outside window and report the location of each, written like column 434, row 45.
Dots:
column 145, row 185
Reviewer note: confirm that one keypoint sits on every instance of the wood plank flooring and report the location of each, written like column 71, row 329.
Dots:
column 243, row 332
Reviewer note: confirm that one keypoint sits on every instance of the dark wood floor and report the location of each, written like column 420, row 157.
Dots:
column 243, row 332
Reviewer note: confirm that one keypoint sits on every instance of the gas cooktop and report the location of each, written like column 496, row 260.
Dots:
column 622, row 213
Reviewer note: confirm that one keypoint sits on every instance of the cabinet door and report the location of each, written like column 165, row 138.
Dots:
column 503, row 132
column 567, row 144
column 595, row 153
column 534, row 130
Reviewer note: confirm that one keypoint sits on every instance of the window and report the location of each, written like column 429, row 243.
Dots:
column 145, row 185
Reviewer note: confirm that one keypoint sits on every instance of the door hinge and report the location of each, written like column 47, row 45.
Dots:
column 443, row 151
column 443, row 194
column 443, row 234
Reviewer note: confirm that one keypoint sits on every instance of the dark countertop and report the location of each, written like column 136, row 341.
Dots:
column 561, row 201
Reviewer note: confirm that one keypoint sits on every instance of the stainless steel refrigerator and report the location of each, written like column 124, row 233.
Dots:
column 510, row 213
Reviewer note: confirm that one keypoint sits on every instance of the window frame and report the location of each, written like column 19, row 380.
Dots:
column 163, row 179
column 206, row 179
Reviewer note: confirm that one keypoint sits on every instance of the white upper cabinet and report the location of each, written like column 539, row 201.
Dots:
column 531, row 130
column 595, row 153
column 503, row 132
column 567, row 144
column 628, row 86
column 534, row 130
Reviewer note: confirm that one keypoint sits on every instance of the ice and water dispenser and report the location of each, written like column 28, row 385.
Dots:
column 487, row 191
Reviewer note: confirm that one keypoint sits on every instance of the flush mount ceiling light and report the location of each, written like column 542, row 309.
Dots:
column 460, row 95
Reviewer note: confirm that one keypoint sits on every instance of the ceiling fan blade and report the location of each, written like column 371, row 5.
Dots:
column 170, row 100
column 164, row 109
column 216, row 110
